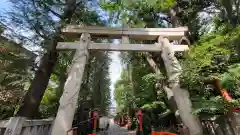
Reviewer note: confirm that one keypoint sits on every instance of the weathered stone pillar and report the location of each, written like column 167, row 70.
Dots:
column 14, row 126
column 181, row 96
column 234, row 119
column 69, row 98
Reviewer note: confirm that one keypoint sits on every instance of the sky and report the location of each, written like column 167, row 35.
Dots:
column 115, row 71
column 115, row 66
column 3, row 5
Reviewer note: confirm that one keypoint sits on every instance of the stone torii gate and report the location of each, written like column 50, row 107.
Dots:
column 69, row 98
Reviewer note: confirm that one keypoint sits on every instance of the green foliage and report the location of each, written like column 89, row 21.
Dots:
column 41, row 19
column 229, row 11
column 136, row 89
column 15, row 76
column 158, row 105
column 138, row 13
column 123, row 93
column 231, row 80
column 211, row 58
column 49, row 104
column 209, row 107
column 208, row 59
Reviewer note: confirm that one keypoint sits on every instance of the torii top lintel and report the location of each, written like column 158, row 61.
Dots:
column 117, row 33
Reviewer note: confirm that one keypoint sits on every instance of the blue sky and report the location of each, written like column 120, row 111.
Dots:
column 3, row 5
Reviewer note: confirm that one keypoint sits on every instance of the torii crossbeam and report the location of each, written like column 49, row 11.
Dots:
column 133, row 33
column 118, row 33
column 68, row 101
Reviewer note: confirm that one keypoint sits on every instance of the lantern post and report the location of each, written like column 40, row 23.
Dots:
column 95, row 115
column 139, row 116
column 122, row 121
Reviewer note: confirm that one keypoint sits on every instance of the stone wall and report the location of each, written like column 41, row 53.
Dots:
column 21, row 126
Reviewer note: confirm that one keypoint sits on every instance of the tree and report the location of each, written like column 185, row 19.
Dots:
column 39, row 17
column 143, row 13
column 95, row 90
column 15, row 75
column 211, row 59
column 136, row 89
column 153, row 19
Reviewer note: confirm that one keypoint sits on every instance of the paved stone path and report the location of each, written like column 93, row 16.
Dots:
column 115, row 129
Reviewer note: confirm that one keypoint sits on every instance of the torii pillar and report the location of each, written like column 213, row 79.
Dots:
column 181, row 96
column 69, row 98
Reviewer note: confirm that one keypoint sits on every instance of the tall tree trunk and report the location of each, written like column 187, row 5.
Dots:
column 125, row 40
column 167, row 91
column 39, row 84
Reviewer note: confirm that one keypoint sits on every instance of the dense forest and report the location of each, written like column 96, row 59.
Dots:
column 214, row 54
